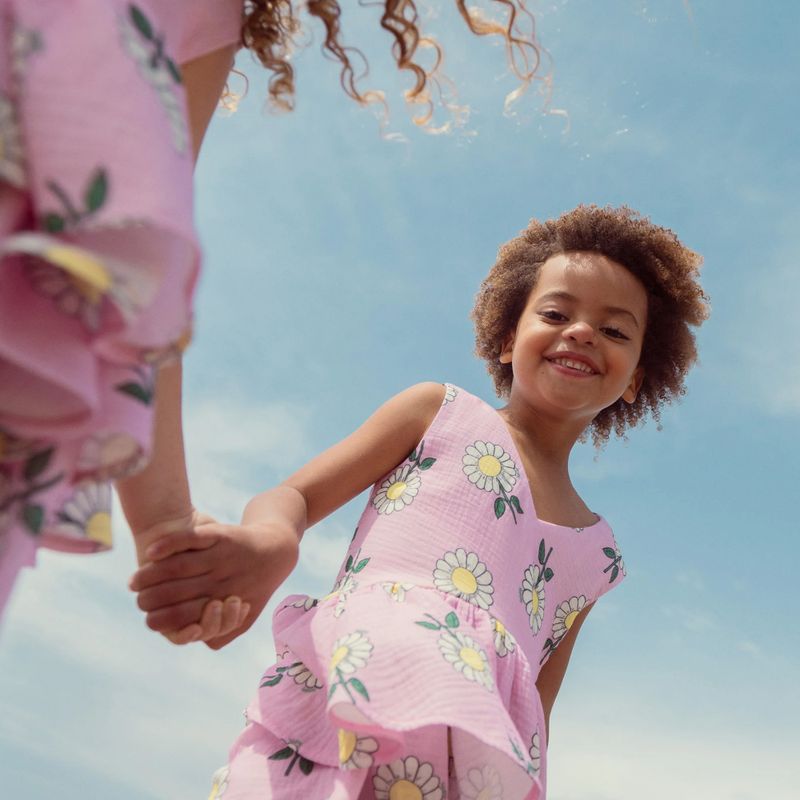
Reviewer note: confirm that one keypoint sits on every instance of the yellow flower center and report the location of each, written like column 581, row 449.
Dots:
column 490, row 466
column 98, row 528
column 499, row 627
column 395, row 588
column 534, row 603
column 571, row 618
column 89, row 275
column 338, row 654
column 472, row 658
column 405, row 790
column 214, row 791
column 464, row 580
column 396, row 490
column 347, row 743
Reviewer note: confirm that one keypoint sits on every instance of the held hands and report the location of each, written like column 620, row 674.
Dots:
column 192, row 565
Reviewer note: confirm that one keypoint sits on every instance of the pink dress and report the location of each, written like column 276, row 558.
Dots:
column 452, row 596
column 98, row 253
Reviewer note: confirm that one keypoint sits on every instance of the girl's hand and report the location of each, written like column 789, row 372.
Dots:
column 207, row 560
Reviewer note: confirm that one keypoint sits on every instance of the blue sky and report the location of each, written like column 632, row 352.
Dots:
column 341, row 268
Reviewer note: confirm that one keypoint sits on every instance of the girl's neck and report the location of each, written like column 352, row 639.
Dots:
column 539, row 438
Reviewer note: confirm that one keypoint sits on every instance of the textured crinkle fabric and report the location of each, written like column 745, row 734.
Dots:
column 98, row 253
column 451, row 597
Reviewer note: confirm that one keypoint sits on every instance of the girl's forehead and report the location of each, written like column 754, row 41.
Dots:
column 588, row 275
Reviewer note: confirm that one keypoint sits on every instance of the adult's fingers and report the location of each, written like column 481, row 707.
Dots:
column 179, row 541
column 174, row 618
column 190, row 564
column 170, row 593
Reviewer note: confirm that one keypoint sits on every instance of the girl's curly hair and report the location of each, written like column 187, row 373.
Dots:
column 668, row 270
column 270, row 28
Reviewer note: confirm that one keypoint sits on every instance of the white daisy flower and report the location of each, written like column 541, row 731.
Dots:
column 407, row 779
column 398, row 490
column 88, row 514
column 342, row 589
column 504, row 642
column 481, row 784
column 489, row 467
column 466, row 656
column 535, row 753
column 566, row 613
column 350, row 652
column 355, row 752
column 220, row 783
column 397, row 591
column 304, row 677
column 464, row 575
column 110, row 455
column 450, row 393
column 12, row 154
column 532, row 594
column 306, row 603
column 620, row 562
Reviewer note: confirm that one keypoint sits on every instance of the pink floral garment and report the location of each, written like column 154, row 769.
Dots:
column 452, row 596
column 98, row 253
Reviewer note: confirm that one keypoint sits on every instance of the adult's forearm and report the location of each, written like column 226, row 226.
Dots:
column 160, row 492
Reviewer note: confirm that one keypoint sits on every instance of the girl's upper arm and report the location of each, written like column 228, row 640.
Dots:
column 383, row 441
column 204, row 79
column 552, row 673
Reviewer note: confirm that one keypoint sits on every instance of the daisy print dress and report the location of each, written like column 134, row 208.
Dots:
column 415, row 679
column 98, row 253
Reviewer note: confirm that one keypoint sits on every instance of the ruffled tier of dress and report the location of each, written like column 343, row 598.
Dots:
column 98, row 260
column 374, row 681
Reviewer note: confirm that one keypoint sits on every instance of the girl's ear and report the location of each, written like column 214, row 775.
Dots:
column 632, row 390
column 507, row 351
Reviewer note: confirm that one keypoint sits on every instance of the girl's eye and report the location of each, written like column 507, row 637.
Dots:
column 556, row 316
column 614, row 333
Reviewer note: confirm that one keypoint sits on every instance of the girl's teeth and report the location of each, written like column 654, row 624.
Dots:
column 565, row 362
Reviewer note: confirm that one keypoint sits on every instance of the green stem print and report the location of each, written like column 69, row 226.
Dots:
column 292, row 753
column 274, row 680
column 432, row 624
column 142, row 388
column 615, row 565
column 69, row 215
column 158, row 57
column 347, row 684
column 509, row 501
column 418, row 461
column 32, row 514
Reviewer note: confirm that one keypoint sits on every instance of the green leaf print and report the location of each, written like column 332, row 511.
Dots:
column 361, row 564
column 359, row 687
column 515, row 502
column 349, row 565
column 273, row 681
column 541, row 552
column 96, row 191
column 37, row 464
column 431, row 626
column 135, row 390
column 614, row 573
column 427, row 463
column 53, row 223
column 174, row 70
column 548, row 574
column 306, row 766
column 141, row 22
column 451, row 620
column 499, row 507
column 609, row 551
column 33, row 517
column 413, row 455
column 281, row 755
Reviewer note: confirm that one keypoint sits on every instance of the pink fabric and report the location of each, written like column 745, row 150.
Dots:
column 98, row 253
column 451, row 598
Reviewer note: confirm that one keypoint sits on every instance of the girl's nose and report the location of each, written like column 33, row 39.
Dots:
column 581, row 332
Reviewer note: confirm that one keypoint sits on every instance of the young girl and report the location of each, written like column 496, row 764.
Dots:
column 103, row 106
column 431, row 669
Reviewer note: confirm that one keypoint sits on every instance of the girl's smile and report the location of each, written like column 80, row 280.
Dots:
column 576, row 347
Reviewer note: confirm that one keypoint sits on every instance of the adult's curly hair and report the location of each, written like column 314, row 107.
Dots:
column 271, row 27
column 668, row 270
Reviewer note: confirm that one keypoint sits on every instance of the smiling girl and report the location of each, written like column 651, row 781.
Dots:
column 432, row 667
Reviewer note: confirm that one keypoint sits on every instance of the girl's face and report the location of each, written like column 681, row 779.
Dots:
column 576, row 347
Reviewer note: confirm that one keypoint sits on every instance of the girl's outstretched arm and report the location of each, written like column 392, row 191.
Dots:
column 252, row 559
column 552, row 673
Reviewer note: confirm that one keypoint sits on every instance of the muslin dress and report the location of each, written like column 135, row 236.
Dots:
column 452, row 596
column 98, row 252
